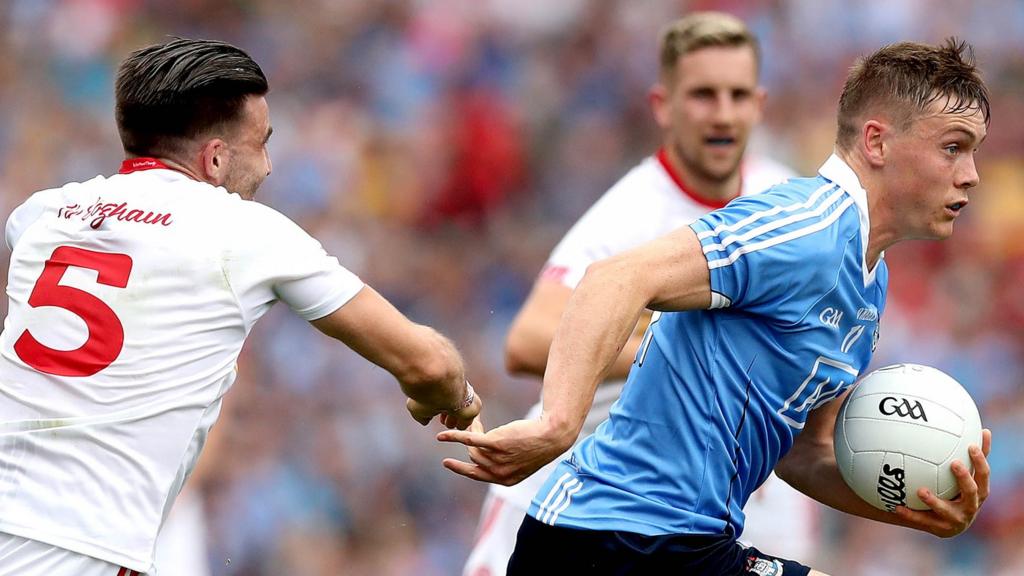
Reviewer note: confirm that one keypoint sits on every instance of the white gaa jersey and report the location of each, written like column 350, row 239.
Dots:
column 650, row 201
column 130, row 297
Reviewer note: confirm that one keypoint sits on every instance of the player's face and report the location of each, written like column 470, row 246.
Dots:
column 710, row 108
column 249, row 161
column 932, row 169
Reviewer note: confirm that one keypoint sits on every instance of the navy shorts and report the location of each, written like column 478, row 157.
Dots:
column 543, row 549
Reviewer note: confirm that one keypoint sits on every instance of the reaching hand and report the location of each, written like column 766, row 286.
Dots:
column 947, row 518
column 507, row 454
column 460, row 419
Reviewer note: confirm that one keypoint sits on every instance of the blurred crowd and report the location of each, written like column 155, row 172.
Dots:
column 440, row 148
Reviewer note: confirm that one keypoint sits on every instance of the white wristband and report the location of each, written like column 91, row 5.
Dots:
column 467, row 401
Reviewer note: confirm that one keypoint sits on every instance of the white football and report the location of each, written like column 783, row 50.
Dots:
column 899, row 430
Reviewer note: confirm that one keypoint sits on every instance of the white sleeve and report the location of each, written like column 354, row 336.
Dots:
column 280, row 261
column 23, row 217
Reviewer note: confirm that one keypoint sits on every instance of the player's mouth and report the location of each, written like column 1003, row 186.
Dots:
column 955, row 208
column 720, row 141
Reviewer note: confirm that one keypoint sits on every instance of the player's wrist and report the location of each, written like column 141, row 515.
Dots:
column 467, row 399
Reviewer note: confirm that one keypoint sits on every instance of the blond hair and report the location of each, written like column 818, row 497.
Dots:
column 702, row 30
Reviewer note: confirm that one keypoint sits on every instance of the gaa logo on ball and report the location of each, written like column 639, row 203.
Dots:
column 899, row 430
column 902, row 407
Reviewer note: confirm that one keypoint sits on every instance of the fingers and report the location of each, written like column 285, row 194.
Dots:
column 982, row 471
column 964, row 508
column 482, row 467
column 419, row 412
column 947, row 513
column 986, row 441
column 471, row 423
column 467, row 437
column 951, row 517
column 968, row 486
column 471, row 471
column 925, row 520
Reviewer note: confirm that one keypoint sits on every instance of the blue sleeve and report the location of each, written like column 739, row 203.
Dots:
column 769, row 250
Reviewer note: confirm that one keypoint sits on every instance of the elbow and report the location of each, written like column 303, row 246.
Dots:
column 521, row 357
column 527, row 344
column 804, row 459
column 784, row 470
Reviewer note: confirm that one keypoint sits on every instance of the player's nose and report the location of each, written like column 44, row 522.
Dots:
column 725, row 108
column 968, row 176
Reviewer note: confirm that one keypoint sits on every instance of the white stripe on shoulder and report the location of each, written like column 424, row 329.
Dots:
column 819, row 225
column 771, row 212
column 776, row 224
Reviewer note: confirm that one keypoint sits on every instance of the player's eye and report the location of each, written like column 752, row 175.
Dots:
column 740, row 95
column 703, row 93
column 952, row 149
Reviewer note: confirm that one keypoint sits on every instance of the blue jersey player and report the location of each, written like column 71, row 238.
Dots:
column 770, row 310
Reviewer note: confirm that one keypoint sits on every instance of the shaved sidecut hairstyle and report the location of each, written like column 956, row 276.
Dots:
column 901, row 81
column 168, row 95
column 702, row 30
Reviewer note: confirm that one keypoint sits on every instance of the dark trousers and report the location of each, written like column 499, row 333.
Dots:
column 543, row 550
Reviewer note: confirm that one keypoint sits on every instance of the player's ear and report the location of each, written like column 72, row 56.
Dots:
column 658, row 96
column 874, row 141
column 214, row 156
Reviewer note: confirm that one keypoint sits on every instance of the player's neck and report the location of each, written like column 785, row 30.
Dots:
column 881, row 235
column 712, row 192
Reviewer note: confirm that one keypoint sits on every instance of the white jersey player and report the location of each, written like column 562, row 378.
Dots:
column 130, row 299
column 706, row 117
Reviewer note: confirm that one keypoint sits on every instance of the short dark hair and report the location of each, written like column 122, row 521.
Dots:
column 906, row 78
column 168, row 94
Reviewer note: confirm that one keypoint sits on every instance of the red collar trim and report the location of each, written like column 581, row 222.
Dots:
column 139, row 164
column 662, row 156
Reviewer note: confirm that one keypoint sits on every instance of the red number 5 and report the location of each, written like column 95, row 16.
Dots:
column 106, row 334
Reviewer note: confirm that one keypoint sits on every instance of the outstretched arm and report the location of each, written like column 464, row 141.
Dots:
column 425, row 363
column 533, row 330
column 669, row 273
column 810, row 466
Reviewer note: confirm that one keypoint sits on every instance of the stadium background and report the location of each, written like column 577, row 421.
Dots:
column 440, row 149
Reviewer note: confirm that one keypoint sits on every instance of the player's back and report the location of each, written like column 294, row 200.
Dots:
column 130, row 298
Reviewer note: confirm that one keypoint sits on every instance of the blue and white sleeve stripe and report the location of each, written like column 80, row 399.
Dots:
column 736, row 241
column 727, row 242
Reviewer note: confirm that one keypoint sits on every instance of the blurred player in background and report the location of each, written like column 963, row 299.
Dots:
column 706, row 102
column 769, row 307
column 130, row 299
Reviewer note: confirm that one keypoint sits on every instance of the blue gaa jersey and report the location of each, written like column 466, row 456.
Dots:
column 716, row 397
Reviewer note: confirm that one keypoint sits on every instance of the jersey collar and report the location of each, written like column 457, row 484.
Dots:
column 130, row 165
column 836, row 170
column 677, row 178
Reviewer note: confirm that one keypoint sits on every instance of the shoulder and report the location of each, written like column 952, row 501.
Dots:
column 802, row 219
column 264, row 227
column 36, row 206
column 247, row 214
